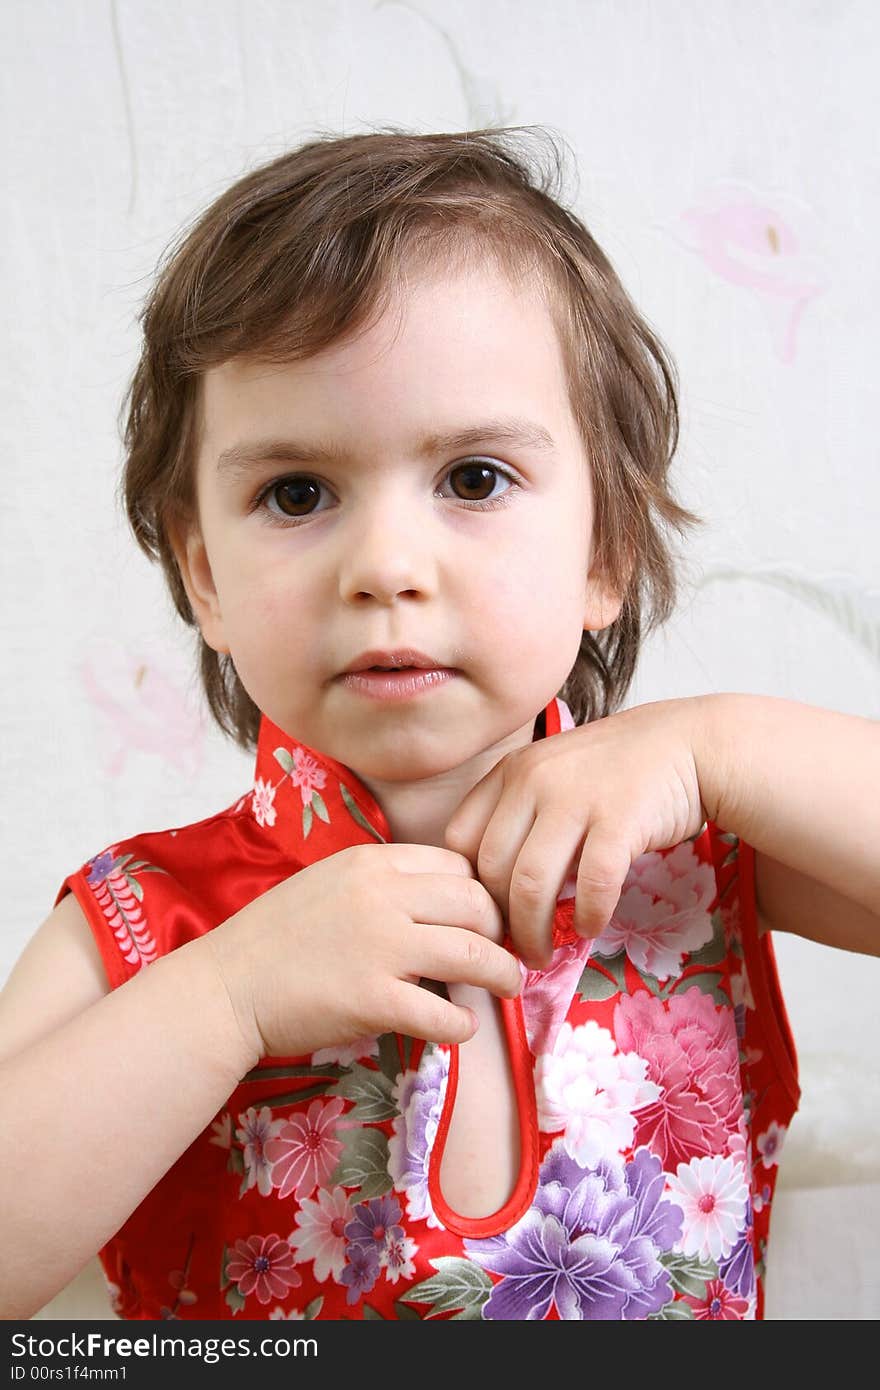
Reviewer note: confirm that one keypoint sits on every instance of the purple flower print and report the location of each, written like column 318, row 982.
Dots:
column 738, row 1270
column 419, row 1098
column 374, row 1222
column 361, row 1270
column 101, row 866
column 590, row 1244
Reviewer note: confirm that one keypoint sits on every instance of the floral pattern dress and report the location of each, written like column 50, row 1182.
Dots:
column 654, row 1072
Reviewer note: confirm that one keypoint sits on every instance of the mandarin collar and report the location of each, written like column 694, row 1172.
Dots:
column 315, row 806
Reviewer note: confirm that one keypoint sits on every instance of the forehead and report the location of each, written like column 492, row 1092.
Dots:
column 449, row 348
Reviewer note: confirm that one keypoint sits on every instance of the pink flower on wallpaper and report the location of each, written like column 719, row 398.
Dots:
column 663, row 912
column 691, row 1049
column 144, row 707
column 749, row 239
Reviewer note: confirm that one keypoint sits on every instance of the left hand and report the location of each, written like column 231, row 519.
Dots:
column 589, row 801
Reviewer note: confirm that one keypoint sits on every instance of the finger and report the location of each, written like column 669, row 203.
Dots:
column 453, row 901
column 604, row 864
column 458, row 956
column 410, row 858
column 464, row 831
column 419, row 1013
column 543, row 865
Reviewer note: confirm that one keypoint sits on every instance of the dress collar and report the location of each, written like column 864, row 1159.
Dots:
column 316, row 806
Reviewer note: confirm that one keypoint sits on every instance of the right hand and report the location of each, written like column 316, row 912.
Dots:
column 336, row 951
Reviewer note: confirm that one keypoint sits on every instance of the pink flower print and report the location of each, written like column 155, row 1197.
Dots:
column 222, row 1128
column 305, row 1151
column 719, row 1302
column 591, row 1091
column 264, row 802
column 256, row 1128
column 769, row 1144
column 307, row 774
column 320, row 1233
column 713, row 1194
column 663, row 912
column 547, row 994
column 692, row 1055
column 263, row 1265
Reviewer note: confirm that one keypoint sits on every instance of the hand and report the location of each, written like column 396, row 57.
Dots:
column 585, row 802
column 336, row 951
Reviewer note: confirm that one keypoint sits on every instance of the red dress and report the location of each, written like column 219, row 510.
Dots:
column 655, row 1078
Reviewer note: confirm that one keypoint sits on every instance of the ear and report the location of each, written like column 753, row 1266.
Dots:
column 191, row 555
column 602, row 603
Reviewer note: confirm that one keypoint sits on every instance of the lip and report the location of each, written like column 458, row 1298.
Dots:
column 401, row 656
column 397, row 685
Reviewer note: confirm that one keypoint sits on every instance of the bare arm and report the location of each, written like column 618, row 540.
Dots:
column 800, row 784
column 97, row 1109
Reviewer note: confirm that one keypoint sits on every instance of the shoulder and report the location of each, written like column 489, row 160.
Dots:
column 59, row 974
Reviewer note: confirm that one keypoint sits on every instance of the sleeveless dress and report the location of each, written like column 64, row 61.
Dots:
column 654, row 1071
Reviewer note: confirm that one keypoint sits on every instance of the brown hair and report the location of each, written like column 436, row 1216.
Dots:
column 307, row 248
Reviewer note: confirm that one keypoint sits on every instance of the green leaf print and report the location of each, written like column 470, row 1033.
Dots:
column 458, row 1284
column 389, row 1057
column 371, row 1092
column 688, row 1274
column 311, row 1310
column 284, row 758
column 356, row 814
column 708, row 982
column 672, row 1312
column 714, row 950
column 364, row 1163
column 595, row 985
column 405, row 1314
column 234, row 1299
column 307, row 820
column 615, row 965
column 320, row 808
column 372, row 1314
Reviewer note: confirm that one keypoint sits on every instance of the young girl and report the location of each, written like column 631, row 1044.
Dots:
column 468, row 1007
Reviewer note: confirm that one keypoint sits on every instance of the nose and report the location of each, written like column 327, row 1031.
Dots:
column 388, row 551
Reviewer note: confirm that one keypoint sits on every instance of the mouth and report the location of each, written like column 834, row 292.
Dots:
column 393, row 662
column 395, row 676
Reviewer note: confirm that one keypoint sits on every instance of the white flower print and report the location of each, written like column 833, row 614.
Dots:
column 320, row 1233
column 712, row 1193
column 657, row 935
column 264, row 802
column 343, row 1056
column 591, row 1091
column 256, row 1128
column 770, row 1143
column 397, row 1258
column 740, row 989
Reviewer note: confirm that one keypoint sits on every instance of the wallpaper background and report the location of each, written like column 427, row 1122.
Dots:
column 724, row 155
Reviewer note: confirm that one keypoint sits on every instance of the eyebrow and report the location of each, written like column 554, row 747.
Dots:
column 236, row 461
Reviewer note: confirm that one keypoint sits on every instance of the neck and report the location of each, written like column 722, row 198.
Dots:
column 419, row 812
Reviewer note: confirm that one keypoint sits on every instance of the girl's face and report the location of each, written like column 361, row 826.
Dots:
column 329, row 524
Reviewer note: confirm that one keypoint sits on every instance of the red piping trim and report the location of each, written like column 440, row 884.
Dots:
column 522, row 1067
column 521, row 1197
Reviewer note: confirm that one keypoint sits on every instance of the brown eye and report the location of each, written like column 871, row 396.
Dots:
column 291, row 494
column 477, row 477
